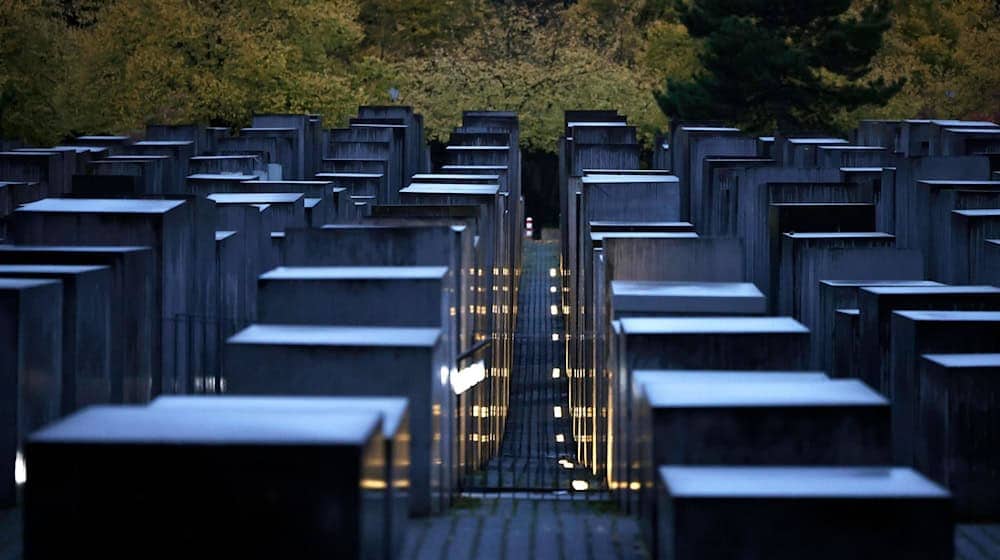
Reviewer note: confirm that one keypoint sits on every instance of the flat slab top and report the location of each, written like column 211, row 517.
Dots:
column 843, row 147
column 602, row 235
column 685, row 289
column 854, row 312
column 725, row 376
column 954, row 122
column 49, row 269
column 709, row 129
column 929, row 290
column 103, row 138
column 101, row 206
column 445, row 177
column 571, row 124
column 312, row 202
column 392, row 409
column 316, row 335
column 861, row 169
column 253, row 129
column 350, row 175
column 667, row 393
column 23, row 283
column 593, row 171
column 623, row 223
column 476, row 167
column 821, row 141
column 72, row 248
column 264, row 182
column 959, row 361
column 224, row 156
column 141, row 425
column 451, row 188
column 356, row 273
column 224, row 234
column 477, row 148
column 951, row 316
column 974, row 130
column 841, row 235
column 798, row 482
column 978, row 212
column 238, row 177
column 958, row 183
column 165, row 143
column 255, row 198
column 712, row 325
column 873, row 283
column 600, row 179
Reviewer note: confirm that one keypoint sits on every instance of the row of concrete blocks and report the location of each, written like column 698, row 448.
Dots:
column 443, row 239
column 720, row 432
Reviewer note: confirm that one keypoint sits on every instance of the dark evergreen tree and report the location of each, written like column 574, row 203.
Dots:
column 790, row 64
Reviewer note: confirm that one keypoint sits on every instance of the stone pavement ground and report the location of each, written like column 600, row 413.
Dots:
column 522, row 527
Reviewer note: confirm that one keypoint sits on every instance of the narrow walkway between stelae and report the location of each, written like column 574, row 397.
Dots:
column 530, row 501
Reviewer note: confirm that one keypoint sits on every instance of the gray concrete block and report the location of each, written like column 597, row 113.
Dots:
column 309, row 484
column 798, row 512
column 135, row 332
column 86, row 322
column 807, row 258
column 877, row 304
column 915, row 333
column 956, row 426
column 31, row 361
column 395, row 431
column 174, row 231
column 970, row 230
column 639, row 299
column 364, row 361
column 835, row 295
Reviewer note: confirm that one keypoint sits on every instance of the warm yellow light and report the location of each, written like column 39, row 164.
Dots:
column 373, row 484
column 580, row 485
column 557, row 411
column 565, row 310
column 560, row 438
column 634, row 486
column 555, row 373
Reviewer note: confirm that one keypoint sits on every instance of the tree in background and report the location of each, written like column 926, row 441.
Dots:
column 215, row 61
column 780, row 63
column 948, row 53
column 33, row 52
column 516, row 62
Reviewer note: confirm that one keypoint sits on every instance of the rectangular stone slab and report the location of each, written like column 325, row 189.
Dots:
column 395, row 430
column 133, row 308
column 86, row 323
column 306, row 360
column 310, row 485
column 753, row 419
column 364, row 296
column 31, row 362
column 956, row 428
column 801, row 512
column 631, row 299
column 876, row 305
column 929, row 332
column 843, row 294
column 728, row 343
